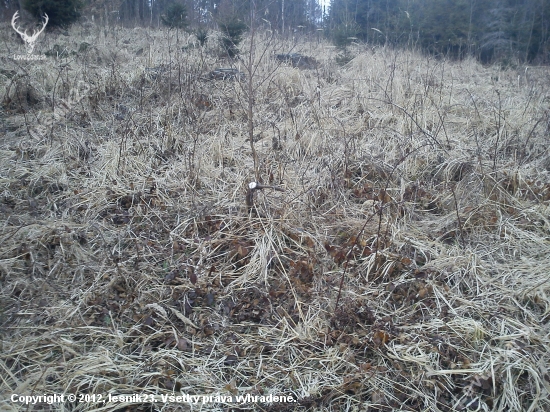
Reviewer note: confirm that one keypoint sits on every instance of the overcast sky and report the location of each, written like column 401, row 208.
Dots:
column 324, row 3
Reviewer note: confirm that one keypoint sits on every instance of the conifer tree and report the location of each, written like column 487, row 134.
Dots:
column 60, row 12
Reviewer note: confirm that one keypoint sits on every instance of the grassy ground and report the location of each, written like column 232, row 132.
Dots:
column 131, row 265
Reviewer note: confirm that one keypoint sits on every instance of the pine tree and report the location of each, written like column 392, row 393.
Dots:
column 60, row 12
column 233, row 30
column 175, row 16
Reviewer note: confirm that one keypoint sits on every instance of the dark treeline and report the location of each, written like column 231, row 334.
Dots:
column 281, row 15
column 491, row 30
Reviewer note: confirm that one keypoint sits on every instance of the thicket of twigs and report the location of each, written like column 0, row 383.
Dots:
column 131, row 264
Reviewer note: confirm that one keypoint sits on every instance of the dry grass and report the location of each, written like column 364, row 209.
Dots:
column 129, row 263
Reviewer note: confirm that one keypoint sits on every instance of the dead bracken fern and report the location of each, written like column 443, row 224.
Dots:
column 416, row 190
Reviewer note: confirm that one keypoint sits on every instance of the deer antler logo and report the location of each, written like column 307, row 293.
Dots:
column 29, row 40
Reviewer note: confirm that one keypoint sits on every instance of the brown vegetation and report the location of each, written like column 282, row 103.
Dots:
column 130, row 263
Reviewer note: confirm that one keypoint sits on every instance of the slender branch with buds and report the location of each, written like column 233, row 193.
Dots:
column 29, row 39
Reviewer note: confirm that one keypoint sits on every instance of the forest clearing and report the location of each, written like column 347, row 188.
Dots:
column 402, row 265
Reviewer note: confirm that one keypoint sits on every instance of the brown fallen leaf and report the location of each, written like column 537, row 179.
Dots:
column 182, row 344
